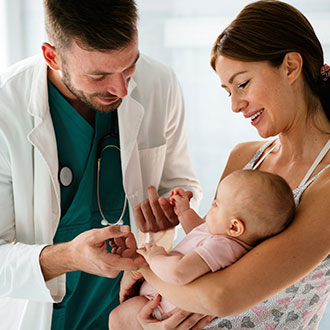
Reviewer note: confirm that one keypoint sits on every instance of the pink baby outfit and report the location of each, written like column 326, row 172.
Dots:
column 300, row 306
column 218, row 251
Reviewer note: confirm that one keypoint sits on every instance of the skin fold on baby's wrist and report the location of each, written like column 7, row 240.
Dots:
column 180, row 214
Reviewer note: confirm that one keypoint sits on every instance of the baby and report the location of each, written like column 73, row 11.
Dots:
column 249, row 206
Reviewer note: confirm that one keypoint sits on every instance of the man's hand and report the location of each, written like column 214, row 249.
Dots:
column 125, row 246
column 150, row 251
column 88, row 252
column 156, row 213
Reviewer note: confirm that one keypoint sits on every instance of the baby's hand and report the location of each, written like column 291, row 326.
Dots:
column 180, row 200
column 150, row 251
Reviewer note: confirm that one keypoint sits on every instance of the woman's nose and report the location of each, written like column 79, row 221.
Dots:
column 238, row 104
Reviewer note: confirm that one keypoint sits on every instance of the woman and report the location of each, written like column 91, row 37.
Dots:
column 271, row 63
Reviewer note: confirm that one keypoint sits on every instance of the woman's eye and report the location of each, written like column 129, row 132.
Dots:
column 242, row 86
column 228, row 91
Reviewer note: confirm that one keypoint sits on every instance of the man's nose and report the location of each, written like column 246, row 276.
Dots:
column 118, row 85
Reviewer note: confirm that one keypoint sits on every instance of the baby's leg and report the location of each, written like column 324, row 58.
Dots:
column 124, row 316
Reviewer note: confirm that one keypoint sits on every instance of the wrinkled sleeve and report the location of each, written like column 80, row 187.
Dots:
column 20, row 271
column 178, row 169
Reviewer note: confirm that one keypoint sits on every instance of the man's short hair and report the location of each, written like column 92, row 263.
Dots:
column 94, row 24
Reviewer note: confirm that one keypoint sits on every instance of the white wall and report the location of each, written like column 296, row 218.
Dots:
column 3, row 36
column 180, row 33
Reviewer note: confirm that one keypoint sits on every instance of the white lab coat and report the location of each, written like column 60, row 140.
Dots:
column 153, row 152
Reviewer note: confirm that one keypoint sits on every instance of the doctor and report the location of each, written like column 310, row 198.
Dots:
column 84, row 129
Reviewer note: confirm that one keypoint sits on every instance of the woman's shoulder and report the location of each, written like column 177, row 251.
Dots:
column 241, row 155
column 243, row 152
column 247, row 148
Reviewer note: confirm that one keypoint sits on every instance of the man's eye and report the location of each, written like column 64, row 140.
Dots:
column 97, row 78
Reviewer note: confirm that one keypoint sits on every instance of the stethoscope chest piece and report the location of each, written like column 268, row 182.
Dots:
column 66, row 176
column 105, row 222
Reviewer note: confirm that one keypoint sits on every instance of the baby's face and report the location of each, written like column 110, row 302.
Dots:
column 219, row 216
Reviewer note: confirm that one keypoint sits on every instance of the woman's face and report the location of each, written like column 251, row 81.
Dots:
column 261, row 92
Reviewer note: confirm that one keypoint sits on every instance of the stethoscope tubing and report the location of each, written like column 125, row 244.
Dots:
column 105, row 221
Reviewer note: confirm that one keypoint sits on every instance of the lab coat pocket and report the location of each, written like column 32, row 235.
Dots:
column 152, row 164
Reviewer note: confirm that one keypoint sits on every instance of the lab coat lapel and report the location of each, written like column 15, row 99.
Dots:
column 130, row 116
column 42, row 137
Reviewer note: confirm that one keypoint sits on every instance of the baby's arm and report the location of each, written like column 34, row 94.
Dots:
column 175, row 269
column 188, row 218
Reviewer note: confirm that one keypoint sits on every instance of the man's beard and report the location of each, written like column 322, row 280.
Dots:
column 88, row 100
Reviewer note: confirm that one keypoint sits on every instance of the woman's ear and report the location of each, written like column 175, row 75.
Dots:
column 293, row 63
column 236, row 228
column 50, row 56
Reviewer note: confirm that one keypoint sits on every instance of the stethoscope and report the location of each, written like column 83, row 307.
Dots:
column 66, row 175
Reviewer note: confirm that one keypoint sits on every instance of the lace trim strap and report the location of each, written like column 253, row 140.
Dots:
column 251, row 164
column 302, row 187
column 317, row 161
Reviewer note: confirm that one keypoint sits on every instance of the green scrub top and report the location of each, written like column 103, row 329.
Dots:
column 89, row 298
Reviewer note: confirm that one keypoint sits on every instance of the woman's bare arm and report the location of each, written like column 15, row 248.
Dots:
column 267, row 269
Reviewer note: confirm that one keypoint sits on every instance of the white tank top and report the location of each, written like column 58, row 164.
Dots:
column 260, row 155
column 300, row 306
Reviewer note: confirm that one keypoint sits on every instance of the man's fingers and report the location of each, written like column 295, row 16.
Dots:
column 168, row 210
column 130, row 242
column 156, row 209
column 189, row 194
column 155, row 213
column 116, row 262
column 119, row 241
column 103, row 234
column 139, row 218
column 144, row 217
column 148, row 216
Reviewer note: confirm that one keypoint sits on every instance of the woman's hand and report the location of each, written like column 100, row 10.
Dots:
column 180, row 320
column 130, row 285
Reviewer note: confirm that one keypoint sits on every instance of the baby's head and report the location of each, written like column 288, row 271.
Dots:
column 251, row 205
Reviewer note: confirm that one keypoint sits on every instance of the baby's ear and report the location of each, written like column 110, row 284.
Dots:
column 236, row 227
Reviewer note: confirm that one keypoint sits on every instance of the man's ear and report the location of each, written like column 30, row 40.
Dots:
column 293, row 63
column 236, row 228
column 50, row 56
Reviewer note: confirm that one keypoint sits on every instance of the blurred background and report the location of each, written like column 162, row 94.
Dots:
column 179, row 33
